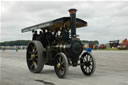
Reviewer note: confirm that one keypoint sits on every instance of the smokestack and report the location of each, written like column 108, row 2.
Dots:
column 73, row 22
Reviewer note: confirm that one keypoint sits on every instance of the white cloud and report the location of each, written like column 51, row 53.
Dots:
column 106, row 20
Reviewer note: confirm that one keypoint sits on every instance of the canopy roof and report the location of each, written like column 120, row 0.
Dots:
column 56, row 24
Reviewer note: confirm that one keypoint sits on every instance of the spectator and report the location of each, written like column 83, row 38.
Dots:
column 35, row 36
column 88, row 49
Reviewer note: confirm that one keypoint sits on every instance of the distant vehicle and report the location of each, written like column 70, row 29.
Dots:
column 102, row 46
column 56, row 46
column 114, row 43
column 123, row 45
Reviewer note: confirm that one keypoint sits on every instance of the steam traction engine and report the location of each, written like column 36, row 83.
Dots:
column 58, row 45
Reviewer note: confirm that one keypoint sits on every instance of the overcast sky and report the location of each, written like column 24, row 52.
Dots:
column 106, row 20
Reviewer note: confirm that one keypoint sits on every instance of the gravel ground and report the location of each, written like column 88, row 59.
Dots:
column 111, row 69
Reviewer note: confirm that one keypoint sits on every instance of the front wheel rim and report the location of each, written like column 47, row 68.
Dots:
column 87, row 64
column 61, row 65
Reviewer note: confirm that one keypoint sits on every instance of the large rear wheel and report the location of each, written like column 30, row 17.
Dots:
column 87, row 63
column 61, row 65
column 35, row 57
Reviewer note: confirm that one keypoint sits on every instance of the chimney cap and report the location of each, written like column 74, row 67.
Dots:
column 72, row 11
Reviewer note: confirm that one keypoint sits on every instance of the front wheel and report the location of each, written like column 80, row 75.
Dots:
column 61, row 65
column 87, row 63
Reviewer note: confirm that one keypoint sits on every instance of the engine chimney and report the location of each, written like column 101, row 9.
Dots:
column 73, row 22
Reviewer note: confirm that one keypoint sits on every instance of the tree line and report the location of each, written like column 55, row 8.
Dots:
column 15, row 43
column 25, row 42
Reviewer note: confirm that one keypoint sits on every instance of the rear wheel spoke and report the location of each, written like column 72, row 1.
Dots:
column 35, row 64
column 31, row 65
